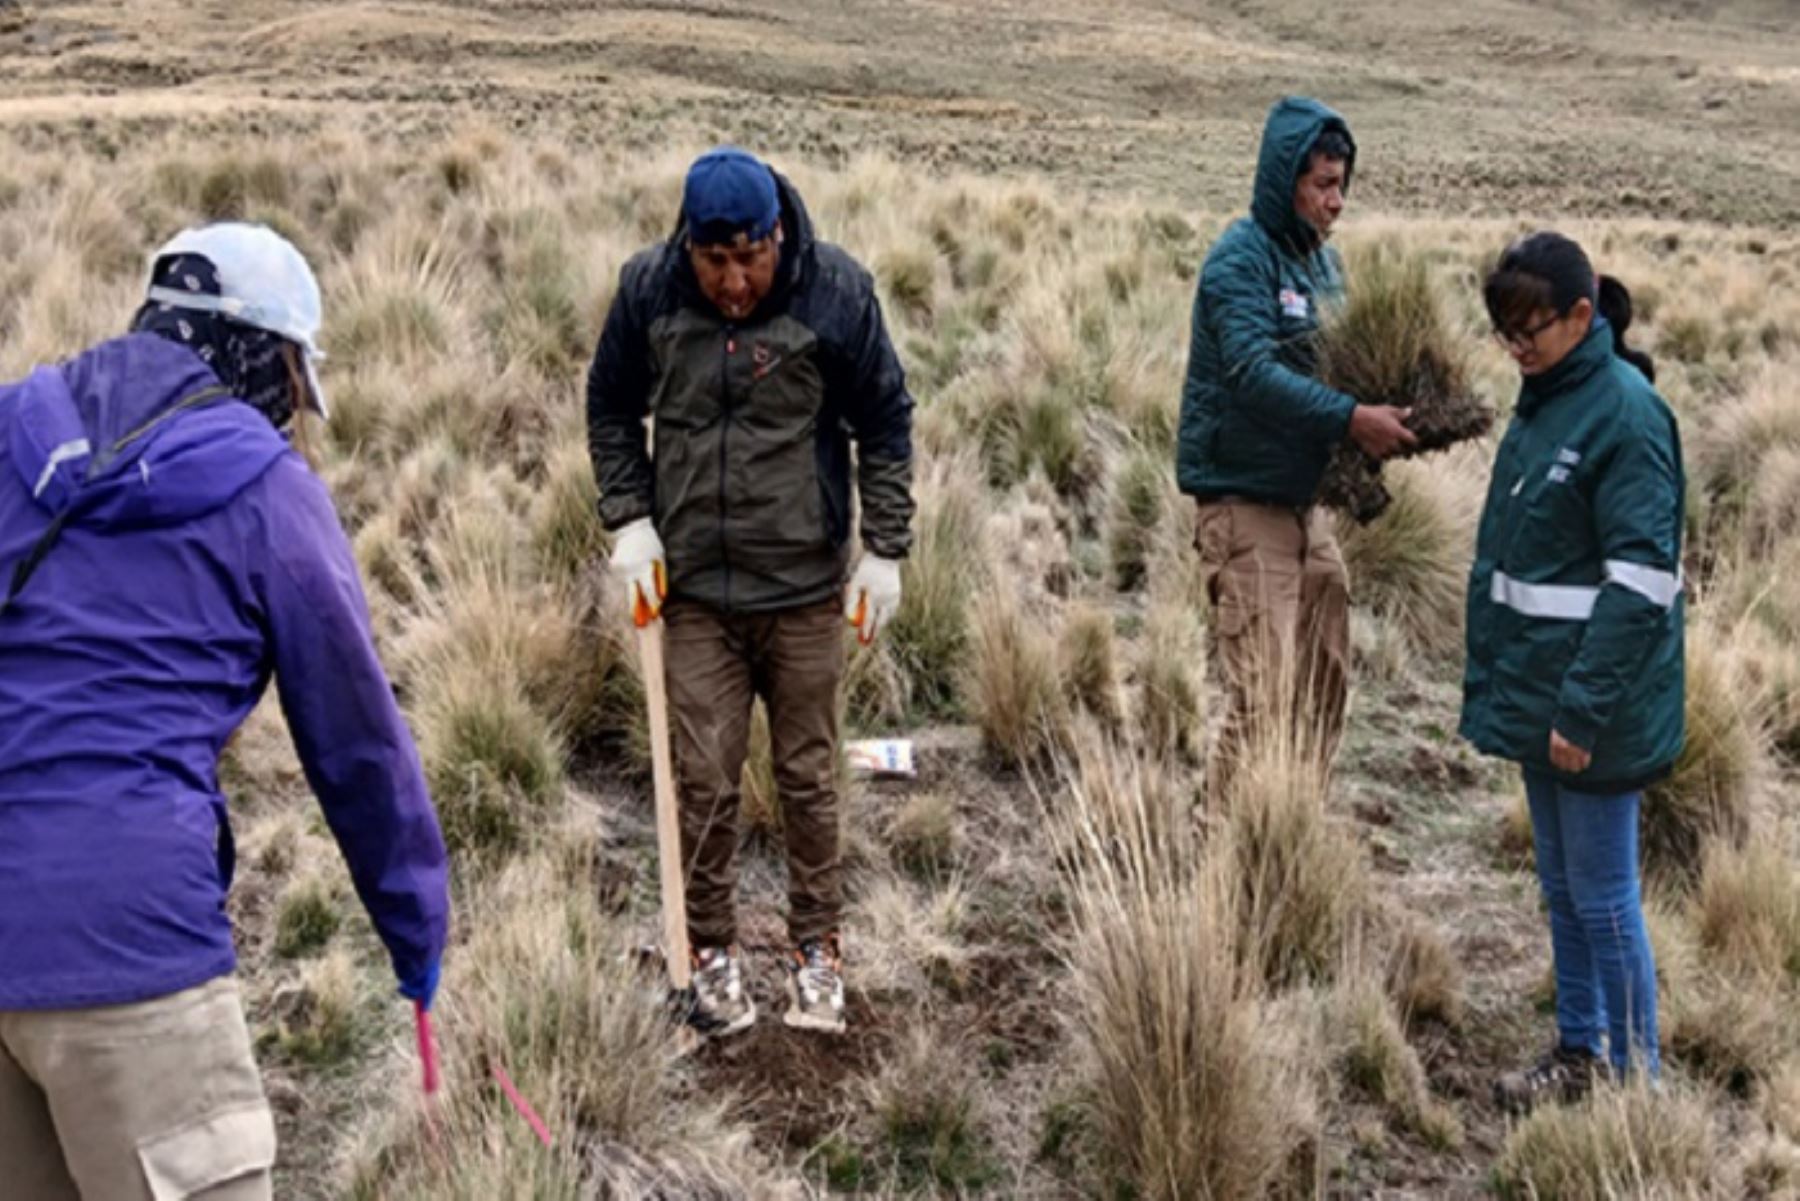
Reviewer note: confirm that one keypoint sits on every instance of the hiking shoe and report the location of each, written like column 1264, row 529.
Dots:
column 816, row 986
column 1564, row 1076
column 721, row 1006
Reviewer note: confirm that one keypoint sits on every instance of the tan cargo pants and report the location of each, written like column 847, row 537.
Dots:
column 1280, row 632
column 155, row 1101
column 717, row 665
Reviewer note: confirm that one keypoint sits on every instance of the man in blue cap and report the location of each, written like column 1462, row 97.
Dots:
column 761, row 354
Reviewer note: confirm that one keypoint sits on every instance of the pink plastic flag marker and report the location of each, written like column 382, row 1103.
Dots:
column 428, row 1056
column 522, row 1105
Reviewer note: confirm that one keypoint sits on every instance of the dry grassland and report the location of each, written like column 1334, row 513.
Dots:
column 1067, row 980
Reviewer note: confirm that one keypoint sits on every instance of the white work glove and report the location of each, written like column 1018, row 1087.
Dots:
column 873, row 597
column 637, row 560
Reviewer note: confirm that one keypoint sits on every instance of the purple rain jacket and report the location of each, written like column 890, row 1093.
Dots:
column 198, row 556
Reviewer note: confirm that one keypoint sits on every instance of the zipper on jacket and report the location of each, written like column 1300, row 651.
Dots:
column 730, row 347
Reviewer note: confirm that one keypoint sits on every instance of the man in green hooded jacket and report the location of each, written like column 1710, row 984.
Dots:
column 1257, row 430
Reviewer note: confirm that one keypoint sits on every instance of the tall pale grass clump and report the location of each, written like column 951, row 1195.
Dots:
column 401, row 301
column 1422, row 973
column 566, row 532
column 1128, row 796
column 1728, row 1027
column 929, row 637
column 1621, row 1142
column 64, row 310
column 1088, row 653
column 492, row 760
column 1027, row 428
column 927, row 1104
column 543, row 992
column 1171, row 674
column 925, row 834
column 1778, row 1099
column 1374, row 1058
column 540, row 317
column 1390, row 343
column 1013, row 688
column 1301, row 879
column 1750, row 593
column 1748, row 908
column 1194, row 1088
column 1139, row 499
column 1744, row 462
column 307, row 917
column 319, row 1022
column 1410, row 568
column 1711, row 791
column 908, row 934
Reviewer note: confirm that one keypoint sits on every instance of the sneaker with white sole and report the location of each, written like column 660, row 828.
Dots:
column 721, row 1004
column 816, row 986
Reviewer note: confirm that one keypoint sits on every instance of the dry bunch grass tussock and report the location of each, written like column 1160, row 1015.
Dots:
column 1748, row 904
column 1375, row 1060
column 1051, row 603
column 1194, row 1087
column 1301, row 878
column 1410, row 569
column 542, row 992
column 1712, row 791
column 1390, row 344
column 1624, row 1142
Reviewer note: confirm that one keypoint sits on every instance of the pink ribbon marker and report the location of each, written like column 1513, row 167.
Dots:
column 428, row 1056
column 523, row 1106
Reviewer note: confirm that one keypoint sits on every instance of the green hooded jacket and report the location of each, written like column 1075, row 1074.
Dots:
column 1575, row 600
column 1254, row 421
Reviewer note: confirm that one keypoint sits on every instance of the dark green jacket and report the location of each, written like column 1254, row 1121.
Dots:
column 1254, row 423
column 1575, row 600
column 749, row 483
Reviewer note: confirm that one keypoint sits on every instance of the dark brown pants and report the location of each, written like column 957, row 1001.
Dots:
column 1280, row 633
column 717, row 665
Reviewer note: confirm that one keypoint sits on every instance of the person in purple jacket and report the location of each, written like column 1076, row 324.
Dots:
column 163, row 554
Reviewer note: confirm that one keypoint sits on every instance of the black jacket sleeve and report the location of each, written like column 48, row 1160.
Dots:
column 618, row 396
column 878, row 409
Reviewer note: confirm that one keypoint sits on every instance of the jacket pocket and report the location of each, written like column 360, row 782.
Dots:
column 224, row 1146
column 1212, row 541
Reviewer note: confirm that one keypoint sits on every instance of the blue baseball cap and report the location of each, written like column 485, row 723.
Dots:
column 729, row 192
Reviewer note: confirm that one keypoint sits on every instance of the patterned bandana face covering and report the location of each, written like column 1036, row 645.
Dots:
column 247, row 360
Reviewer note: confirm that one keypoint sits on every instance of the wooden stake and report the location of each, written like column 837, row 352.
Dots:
column 668, row 828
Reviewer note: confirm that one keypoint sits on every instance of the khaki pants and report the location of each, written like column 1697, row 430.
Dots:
column 155, row 1101
column 1280, row 631
column 717, row 665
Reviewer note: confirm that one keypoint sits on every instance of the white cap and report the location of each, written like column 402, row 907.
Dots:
column 264, row 282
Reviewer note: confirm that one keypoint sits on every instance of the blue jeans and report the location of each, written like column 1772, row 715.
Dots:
column 1587, row 861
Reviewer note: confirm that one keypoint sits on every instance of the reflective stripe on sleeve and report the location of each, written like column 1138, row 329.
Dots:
column 1658, row 587
column 1560, row 602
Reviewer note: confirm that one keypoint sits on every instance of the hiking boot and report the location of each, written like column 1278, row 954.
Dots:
column 721, row 1006
column 816, row 986
column 1563, row 1076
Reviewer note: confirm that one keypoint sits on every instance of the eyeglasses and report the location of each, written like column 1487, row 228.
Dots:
column 1521, row 340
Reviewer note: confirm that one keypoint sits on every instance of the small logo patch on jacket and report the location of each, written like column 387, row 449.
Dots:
column 763, row 360
column 1293, row 304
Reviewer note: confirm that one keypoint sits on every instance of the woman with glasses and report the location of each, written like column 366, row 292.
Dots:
column 1575, row 668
